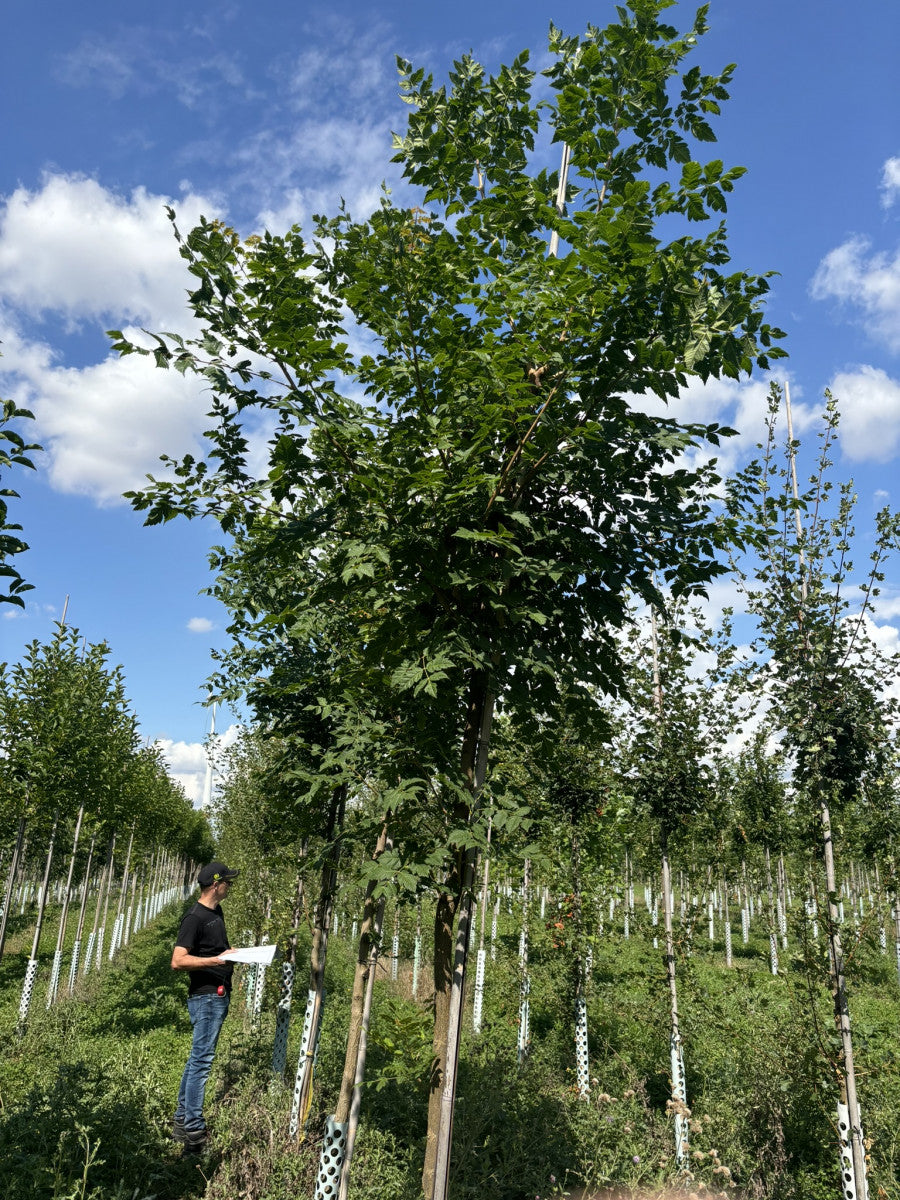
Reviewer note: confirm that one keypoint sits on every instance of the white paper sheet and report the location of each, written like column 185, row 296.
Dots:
column 252, row 954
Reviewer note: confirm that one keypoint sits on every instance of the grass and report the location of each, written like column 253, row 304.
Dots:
column 86, row 1095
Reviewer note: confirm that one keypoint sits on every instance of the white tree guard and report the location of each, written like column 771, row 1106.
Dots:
column 126, row 928
column 711, row 914
column 331, row 1160
column 582, row 1068
column 305, row 1063
column 417, row 959
column 679, row 1096
column 114, row 940
column 479, row 991
column 782, row 924
column 89, row 953
column 354, row 932
column 283, row 1020
column 728, row 947
column 848, row 1182
column 54, row 978
column 524, row 1039
column 73, row 966
column 395, row 955
column 812, row 913
column 27, row 992
column 494, row 930
column 773, row 953
column 98, row 957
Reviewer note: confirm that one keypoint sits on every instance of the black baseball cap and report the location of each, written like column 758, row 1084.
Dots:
column 215, row 872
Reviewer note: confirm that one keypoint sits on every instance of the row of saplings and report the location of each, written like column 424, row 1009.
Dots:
column 745, row 920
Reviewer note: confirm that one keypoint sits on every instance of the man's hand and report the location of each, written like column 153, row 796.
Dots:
column 183, row 960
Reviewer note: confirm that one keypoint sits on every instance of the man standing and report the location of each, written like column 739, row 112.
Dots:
column 202, row 941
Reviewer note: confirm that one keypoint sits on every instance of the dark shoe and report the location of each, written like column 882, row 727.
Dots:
column 195, row 1141
column 179, row 1133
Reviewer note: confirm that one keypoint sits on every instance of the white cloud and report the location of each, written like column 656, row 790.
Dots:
column 870, row 282
column 76, row 249
column 103, row 427
column 886, row 607
column 740, row 404
column 200, row 625
column 890, row 182
column 146, row 61
column 359, row 54
column 335, row 157
column 187, row 760
column 869, row 402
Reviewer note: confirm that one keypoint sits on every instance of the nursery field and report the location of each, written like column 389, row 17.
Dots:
column 86, row 1094
column 567, row 773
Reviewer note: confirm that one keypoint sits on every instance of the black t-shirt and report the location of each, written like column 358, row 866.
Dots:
column 202, row 932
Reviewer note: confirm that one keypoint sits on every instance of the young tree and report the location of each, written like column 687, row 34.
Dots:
column 825, row 677
column 476, row 492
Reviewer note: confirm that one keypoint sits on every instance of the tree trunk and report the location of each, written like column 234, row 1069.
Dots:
column 449, row 1001
column 318, row 951
column 368, row 940
column 842, row 1013
column 356, row 1104
column 346, row 1113
column 444, row 914
column 679, row 1090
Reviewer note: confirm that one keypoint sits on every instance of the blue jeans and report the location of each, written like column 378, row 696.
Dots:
column 207, row 1013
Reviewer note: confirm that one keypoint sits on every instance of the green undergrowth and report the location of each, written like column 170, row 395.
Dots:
column 86, row 1095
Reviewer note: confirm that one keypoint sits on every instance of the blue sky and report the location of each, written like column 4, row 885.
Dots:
column 264, row 113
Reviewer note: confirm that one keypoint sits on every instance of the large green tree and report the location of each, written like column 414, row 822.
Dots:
column 459, row 471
